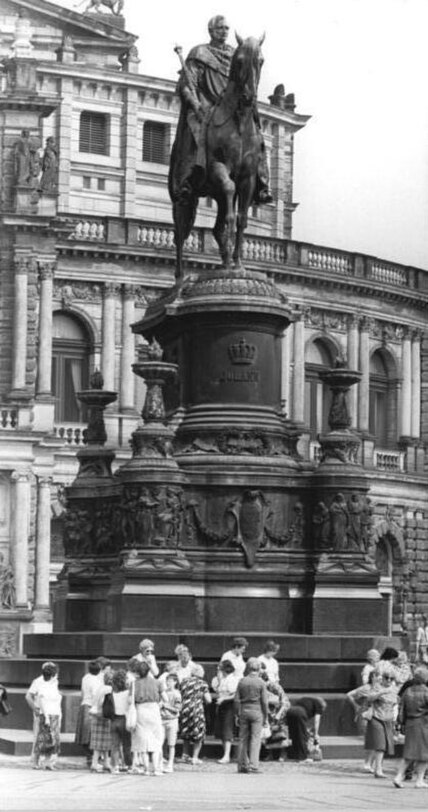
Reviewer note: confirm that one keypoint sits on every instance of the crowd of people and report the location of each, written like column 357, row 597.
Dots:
column 131, row 718
column 391, row 704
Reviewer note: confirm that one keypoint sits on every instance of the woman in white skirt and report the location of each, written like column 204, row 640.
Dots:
column 147, row 738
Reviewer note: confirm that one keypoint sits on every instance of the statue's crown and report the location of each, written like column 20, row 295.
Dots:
column 242, row 352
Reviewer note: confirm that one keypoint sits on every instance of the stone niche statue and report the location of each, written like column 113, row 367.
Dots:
column 49, row 179
column 26, row 161
column 7, row 586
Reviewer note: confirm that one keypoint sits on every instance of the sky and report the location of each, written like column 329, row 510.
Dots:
column 359, row 68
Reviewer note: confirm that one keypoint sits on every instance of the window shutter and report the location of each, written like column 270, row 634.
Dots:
column 94, row 133
column 155, row 142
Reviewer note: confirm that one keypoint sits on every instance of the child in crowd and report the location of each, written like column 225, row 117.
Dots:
column 120, row 736
column 170, row 707
column 170, row 668
column 90, row 682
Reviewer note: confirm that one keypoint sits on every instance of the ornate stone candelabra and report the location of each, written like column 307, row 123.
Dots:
column 340, row 445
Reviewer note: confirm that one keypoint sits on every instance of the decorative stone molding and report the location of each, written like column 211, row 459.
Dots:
column 81, row 291
column 326, row 319
column 110, row 289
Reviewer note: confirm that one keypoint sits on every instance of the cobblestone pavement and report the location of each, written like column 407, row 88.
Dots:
column 211, row 787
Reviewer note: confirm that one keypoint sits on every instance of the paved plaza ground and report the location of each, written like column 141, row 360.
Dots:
column 289, row 787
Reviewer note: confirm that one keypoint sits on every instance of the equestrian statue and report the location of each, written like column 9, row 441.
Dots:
column 219, row 149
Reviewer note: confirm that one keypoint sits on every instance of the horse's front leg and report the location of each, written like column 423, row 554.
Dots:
column 245, row 198
column 224, row 193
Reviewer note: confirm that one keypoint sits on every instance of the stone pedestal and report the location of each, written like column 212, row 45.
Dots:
column 90, row 542
column 346, row 597
column 242, row 538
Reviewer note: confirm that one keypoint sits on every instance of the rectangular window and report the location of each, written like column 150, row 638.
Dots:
column 86, row 183
column 101, row 184
column 94, row 133
column 156, row 142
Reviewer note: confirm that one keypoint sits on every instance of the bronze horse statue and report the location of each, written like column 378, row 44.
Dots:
column 233, row 147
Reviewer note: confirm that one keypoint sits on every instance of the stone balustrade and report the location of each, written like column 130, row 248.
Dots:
column 387, row 272
column 327, row 260
column 91, row 230
column 8, row 417
column 389, row 460
column 279, row 254
column 72, row 435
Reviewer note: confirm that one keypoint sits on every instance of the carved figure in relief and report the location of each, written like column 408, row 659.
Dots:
column 356, row 508
column 339, row 523
column 7, row 641
column 250, row 515
column 115, row 6
column 49, row 179
column 7, row 586
column 321, row 522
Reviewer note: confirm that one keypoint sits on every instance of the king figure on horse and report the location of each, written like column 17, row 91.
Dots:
column 205, row 84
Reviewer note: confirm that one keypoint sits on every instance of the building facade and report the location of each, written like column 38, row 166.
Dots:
column 87, row 242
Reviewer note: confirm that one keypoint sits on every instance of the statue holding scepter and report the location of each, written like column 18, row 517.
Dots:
column 208, row 100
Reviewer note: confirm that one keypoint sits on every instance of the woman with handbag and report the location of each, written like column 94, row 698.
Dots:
column 364, row 712
column 100, row 743
column 383, row 698
column 304, row 712
column 44, row 699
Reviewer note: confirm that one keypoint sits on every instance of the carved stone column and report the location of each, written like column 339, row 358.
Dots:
column 46, row 271
column 363, row 397
column 20, row 536
column 406, row 388
column 108, row 335
column 285, row 370
column 353, row 349
column 43, row 544
column 416, row 385
column 299, row 370
column 19, row 355
column 127, row 377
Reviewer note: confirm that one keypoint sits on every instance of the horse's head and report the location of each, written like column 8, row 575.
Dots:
column 246, row 66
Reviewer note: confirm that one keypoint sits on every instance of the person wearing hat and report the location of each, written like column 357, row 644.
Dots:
column 236, row 655
column 44, row 699
column 146, row 654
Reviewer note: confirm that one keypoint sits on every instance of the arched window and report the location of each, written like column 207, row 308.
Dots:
column 383, row 400
column 70, row 367
column 317, row 394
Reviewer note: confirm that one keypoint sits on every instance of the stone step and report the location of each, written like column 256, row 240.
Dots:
column 207, row 645
column 337, row 720
column 19, row 743
column 322, row 676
